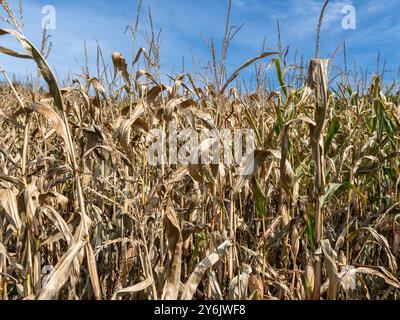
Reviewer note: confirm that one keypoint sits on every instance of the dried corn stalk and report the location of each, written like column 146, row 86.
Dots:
column 318, row 82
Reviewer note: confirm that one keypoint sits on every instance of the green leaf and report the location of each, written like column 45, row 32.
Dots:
column 280, row 76
column 260, row 199
column 334, row 188
column 332, row 131
column 310, row 227
column 389, row 92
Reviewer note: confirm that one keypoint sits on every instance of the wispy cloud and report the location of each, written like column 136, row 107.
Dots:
column 184, row 21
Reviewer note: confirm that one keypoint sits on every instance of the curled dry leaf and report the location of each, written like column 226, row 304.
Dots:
column 61, row 272
column 173, row 104
column 17, row 182
column 239, row 285
column 243, row 66
column 98, row 86
column 58, row 197
column 382, row 273
column 382, row 242
column 92, row 267
column 12, row 53
column 254, row 161
column 175, row 243
column 121, row 67
column 54, row 120
column 198, row 273
column 58, row 221
column 8, row 200
column 43, row 66
column 136, row 288
column 216, row 292
column 331, row 268
column 3, row 252
column 124, row 127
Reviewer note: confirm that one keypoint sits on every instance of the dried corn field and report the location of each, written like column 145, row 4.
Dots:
column 83, row 215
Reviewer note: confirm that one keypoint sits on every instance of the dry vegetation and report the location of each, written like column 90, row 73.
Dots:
column 83, row 215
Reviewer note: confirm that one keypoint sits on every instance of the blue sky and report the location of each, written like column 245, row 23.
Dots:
column 183, row 21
